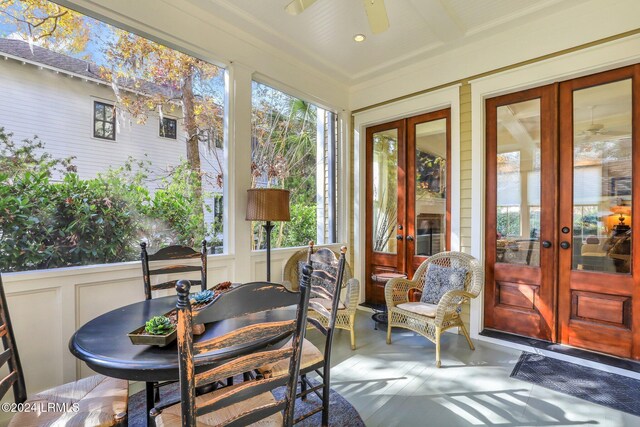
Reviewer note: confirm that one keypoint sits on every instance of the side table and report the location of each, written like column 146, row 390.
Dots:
column 382, row 278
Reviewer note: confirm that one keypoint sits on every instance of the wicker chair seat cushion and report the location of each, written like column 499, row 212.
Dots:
column 99, row 400
column 439, row 280
column 421, row 308
column 310, row 356
column 171, row 416
column 327, row 303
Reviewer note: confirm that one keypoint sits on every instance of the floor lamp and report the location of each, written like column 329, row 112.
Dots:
column 268, row 204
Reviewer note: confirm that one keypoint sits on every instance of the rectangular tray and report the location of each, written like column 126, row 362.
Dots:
column 137, row 337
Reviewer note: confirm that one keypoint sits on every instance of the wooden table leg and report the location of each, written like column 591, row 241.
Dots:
column 150, row 402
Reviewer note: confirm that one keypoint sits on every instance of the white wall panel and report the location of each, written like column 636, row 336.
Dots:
column 37, row 323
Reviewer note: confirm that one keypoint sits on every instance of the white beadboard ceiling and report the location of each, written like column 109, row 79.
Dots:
column 323, row 34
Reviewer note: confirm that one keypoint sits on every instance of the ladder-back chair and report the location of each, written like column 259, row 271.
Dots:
column 250, row 401
column 173, row 254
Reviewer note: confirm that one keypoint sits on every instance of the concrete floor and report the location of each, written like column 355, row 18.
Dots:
column 399, row 385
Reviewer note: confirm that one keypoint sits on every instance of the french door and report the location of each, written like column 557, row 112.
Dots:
column 561, row 162
column 599, row 286
column 520, row 221
column 407, row 205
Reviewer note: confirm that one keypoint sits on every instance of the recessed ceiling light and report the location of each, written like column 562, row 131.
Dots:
column 359, row 38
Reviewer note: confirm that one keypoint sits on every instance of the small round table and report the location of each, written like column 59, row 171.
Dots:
column 104, row 346
column 383, row 278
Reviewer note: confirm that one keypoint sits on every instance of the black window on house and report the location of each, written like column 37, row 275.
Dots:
column 168, row 128
column 218, row 208
column 104, row 121
column 217, row 138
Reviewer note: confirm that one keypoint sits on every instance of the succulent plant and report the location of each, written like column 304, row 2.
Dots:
column 159, row 325
column 203, row 297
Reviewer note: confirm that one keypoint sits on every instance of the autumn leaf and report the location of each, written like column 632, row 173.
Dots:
column 47, row 24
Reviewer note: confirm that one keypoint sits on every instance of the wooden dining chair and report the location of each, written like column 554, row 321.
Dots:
column 92, row 401
column 173, row 254
column 327, row 287
column 251, row 401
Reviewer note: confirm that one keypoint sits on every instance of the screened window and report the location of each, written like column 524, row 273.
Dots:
column 104, row 121
column 168, row 128
column 585, row 222
column 294, row 147
column 508, row 221
column 91, row 203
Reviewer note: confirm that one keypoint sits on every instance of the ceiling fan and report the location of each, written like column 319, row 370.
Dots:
column 376, row 12
column 596, row 129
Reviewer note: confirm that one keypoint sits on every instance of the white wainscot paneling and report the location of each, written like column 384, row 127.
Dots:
column 37, row 324
column 96, row 298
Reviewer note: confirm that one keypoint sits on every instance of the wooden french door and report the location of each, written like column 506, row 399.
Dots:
column 520, row 221
column 407, row 205
column 599, row 279
column 561, row 163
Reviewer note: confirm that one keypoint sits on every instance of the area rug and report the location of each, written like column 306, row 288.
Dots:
column 341, row 412
column 604, row 388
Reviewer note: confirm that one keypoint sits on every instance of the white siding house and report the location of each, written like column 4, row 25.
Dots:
column 52, row 96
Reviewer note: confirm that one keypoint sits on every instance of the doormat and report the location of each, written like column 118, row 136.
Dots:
column 604, row 388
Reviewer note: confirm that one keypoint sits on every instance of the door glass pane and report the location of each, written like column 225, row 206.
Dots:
column 431, row 180
column 602, row 178
column 385, row 190
column 518, row 184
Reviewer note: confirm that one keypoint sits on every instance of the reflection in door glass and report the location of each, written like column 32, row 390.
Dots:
column 385, row 190
column 602, row 178
column 431, row 180
column 518, row 184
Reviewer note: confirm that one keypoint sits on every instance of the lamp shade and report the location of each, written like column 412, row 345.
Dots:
column 267, row 204
column 621, row 210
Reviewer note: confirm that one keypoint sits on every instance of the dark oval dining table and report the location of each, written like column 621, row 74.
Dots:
column 104, row 346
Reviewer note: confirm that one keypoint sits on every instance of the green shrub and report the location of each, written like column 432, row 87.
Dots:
column 302, row 226
column 26, row 221
column 93, row 224
column 72, row 221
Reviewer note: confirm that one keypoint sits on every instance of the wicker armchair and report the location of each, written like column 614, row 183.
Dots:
column 431, row 320
column 346, row 316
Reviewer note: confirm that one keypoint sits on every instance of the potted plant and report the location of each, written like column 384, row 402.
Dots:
column 159, row 330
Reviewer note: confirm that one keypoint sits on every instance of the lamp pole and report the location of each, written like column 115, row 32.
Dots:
column 268, row 227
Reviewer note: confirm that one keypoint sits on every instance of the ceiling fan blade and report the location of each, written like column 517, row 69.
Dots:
column 614, row 133
column 298, row 6
column 377, row 15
